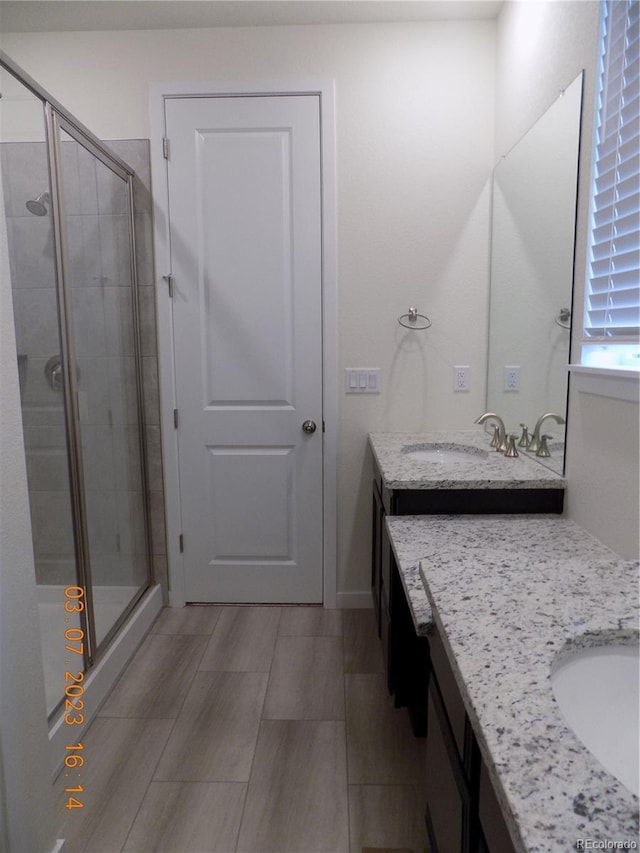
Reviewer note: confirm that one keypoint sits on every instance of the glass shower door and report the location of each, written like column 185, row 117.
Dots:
column 102, row 311
column 25, row 187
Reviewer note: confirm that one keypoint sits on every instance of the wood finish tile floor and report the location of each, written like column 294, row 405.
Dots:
column 250, row 730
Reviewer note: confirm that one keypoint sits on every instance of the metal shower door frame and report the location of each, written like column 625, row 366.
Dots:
column 57, row 119
column 58, row 123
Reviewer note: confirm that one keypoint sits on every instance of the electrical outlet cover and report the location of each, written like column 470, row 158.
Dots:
column 461, row 377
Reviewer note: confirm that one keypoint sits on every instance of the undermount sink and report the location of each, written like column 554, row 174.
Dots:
column 444, row 452
column 597, row 689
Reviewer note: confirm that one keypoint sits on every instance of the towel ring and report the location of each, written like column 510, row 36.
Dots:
column 564, row 318
column 412, row 317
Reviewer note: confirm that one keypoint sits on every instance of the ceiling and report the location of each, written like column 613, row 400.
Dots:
column 79, row 15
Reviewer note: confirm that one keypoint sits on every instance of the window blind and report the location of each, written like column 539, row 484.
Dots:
column 612, row 315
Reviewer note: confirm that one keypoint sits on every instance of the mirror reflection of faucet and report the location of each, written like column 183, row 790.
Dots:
column 543, row 449
column 537, row 443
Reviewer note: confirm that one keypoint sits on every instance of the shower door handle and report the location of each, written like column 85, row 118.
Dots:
column 53, row 373
column 309, row 427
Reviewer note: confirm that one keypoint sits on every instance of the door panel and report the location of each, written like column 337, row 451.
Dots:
column 255, row 483
column 245, row 207
column 248, row 322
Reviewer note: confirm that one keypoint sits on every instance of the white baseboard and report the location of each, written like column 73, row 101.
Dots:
column 354, row 600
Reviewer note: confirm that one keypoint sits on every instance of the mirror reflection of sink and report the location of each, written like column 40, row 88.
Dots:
column 443, row 452
column 597, row 689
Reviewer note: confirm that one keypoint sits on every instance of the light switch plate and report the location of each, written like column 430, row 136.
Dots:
column 362, row 380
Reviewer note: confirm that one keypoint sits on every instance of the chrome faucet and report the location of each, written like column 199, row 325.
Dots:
column 534, row 444
column 501, row 443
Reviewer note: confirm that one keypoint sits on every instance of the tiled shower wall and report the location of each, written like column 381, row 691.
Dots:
column 97, row 245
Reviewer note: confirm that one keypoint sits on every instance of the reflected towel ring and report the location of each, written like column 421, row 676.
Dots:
column 564, row 318
column 412, row 317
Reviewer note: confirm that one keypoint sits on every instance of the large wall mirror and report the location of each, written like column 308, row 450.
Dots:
column 532, row 255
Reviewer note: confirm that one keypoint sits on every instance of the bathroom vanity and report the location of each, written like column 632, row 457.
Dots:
column 456, row 473
column 512, row 600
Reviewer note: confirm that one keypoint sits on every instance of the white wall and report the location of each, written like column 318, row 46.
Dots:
column 26, row 799
column 414, row 151
column 541, row 48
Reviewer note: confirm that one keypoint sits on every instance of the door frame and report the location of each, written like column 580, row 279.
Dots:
column 325, row 90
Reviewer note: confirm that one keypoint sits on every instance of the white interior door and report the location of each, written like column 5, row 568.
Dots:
column 245, row 234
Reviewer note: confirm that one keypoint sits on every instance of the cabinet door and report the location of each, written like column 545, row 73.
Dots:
column 492, row 820
column 377, row 522
column 386, row 640
column 445, row 802
column 451, row 695
column 410, row 658
column 387, row 617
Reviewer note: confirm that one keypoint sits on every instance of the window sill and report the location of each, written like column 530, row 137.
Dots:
column 606, row 382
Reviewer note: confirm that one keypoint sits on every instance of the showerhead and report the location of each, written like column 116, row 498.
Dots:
column 37, row 206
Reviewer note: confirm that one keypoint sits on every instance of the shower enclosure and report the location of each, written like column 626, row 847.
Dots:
column 69, row 218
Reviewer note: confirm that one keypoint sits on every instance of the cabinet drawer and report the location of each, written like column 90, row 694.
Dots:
column 441, row 668
column 472, row 501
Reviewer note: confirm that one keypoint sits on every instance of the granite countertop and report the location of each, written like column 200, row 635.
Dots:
column 408, row 549
column 484, row 469
column 508, row 593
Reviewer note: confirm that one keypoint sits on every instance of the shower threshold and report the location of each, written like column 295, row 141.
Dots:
column 109, row 603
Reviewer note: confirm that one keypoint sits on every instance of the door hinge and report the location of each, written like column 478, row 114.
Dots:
column 169, row 280
column 165, row 147
column 181, row 543
column 175, row 418
column 323, row 427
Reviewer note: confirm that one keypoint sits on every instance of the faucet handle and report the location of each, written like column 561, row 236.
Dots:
column 543, row 449
column 499, row 440
column 524, row 438
column 511, row 451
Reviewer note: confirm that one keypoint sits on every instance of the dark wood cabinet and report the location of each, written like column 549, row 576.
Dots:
column 494, row 834
column 406, row 655
column 471, row 501
column 447, row 798
column 377, row 525
column 409, row 657
column 462, row 813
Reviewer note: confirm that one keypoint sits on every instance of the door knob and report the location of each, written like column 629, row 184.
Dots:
column 309, row 427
